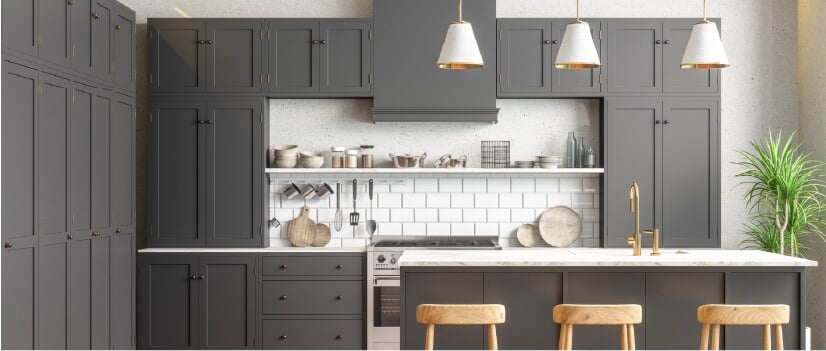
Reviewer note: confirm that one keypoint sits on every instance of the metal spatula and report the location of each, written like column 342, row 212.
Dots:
column 371, row 224
column 354, row 216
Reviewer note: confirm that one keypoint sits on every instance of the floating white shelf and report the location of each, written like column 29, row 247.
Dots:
column 435, row 170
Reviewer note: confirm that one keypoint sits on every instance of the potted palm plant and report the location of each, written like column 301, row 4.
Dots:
column 784, row 196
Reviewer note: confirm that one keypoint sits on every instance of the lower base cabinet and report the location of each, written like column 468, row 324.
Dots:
column 312, row 334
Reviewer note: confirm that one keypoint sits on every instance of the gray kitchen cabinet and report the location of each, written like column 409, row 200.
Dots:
column 528, row 326
column 527, row 50
column 634, row 57
column 672, row 299
column 53, row 36
column 123, row 162
column 53, row 293
column 441, row 288
column 188, row 302
column 80, row 32
column 122, row 289
column 101, row 297
column 765, row 288
column 679, row 80
column 53, row 149
column 102, row 17
column 234, row 56
column 80, row 291
column 312, row 297
column 671, row 149
column 177, row 56
column 20, row 27
column 319, row 58
column 102, row 104
column 207, row 167
column 80, row 158
column 313, row 334
column 123, row 48
column 20, row 291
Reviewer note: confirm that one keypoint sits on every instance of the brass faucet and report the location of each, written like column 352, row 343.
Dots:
column 636, row 239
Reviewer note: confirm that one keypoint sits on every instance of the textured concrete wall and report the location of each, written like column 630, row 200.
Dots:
column 812, row 85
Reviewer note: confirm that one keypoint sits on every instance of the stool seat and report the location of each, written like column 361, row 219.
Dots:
column 568, row 315
column 765, row 315
column 433, row 314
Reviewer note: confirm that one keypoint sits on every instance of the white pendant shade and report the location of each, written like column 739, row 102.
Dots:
column 577, row 50
column 704, row 49
column 460, row 50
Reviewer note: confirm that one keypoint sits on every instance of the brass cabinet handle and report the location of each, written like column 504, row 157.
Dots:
column 339, row 266
column 70, row 2
column 547, row 41
column 315, row 41
column 202, row 277
column 96, row 234
column 659, row 41
column 340, row 297
column 283, row 337
column 209, row 42
column 667, row 42
column 556, row 41
column 283, row 297
column 117, row 26
column 667, row 122
column 8, row 245
column 657, row 122
column 201, row 41
column 283, row 266
column 339, row 337
column 117, row 231
column 193, row 277
column 95, row 15
column 70, row 237
column 323, row 42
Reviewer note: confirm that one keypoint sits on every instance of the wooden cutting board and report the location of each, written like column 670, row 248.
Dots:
column 301, row 231
column 322, row 235
column 560, row 226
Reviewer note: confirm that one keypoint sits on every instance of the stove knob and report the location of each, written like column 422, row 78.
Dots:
column 381, row 258
column 393, row 260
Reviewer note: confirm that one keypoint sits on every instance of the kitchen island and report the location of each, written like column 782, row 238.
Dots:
column 670, row 287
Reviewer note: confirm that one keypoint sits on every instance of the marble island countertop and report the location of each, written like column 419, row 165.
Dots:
column 255, row 249
column 591, row 257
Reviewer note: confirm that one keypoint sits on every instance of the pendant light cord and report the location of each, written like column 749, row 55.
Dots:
column 460, row 10
column 705, row 17
column 577, row 11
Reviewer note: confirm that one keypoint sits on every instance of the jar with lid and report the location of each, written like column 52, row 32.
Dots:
column 366, row 156
column 351, row 158
column 337, row 156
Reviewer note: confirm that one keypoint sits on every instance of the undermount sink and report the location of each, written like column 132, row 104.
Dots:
column 623, row 252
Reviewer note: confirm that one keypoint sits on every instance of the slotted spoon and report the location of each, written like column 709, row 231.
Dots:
column 354, row 216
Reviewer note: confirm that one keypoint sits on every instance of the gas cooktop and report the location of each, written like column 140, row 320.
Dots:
column 490, row 243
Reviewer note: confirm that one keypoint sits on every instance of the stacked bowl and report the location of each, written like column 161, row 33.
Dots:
column 523, row 164
column 311, row 159
column 285, row 156
column 549, row 161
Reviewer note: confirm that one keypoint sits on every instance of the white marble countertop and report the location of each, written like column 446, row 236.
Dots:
column 595, row 257
column 259, row 250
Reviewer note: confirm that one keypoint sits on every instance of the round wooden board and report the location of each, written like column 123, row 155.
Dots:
column 560, row 226
column 527, row 234
column 322, row 235
column 301, row 231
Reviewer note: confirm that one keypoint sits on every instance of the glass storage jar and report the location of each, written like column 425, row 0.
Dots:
column 366, row 156
column 351, row 158
column 337, row 156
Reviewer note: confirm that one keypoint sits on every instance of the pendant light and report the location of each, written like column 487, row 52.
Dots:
column 460, row 50
column 704, row 49
column 577, row 50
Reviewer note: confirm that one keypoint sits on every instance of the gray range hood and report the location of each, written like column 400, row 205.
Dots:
column 408, row 36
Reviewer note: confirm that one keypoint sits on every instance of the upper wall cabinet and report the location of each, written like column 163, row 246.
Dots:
column 319, row 58
column 123, row 49
column 37, row 28
column 198, row 56
column 527, row 51
column 644, row 57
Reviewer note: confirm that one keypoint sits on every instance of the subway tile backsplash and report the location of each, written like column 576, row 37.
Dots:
column 442, row 206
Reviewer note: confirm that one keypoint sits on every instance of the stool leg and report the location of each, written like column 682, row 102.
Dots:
column 569, row 337
column 632, row 343
column 715, row 337
column 767, row 337
column 623, row 337
column 562, row 334
column 778, row 337
column 492, row 343
column 428, row 337
column 704, row 338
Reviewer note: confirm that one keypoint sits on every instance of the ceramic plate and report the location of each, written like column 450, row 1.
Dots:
column 560, row 226
column 527, row 234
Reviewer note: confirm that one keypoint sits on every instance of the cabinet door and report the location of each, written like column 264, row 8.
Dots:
column 101, row 161
column 53, row 293
column 53, row 27
column 102, row 39
column 688, row 178
column 235, row 165
column 760, row 289
column 177, row 165
column 19, row 181
column 293, row 57
column 177, row 57
column 234, row 56
column 447, row 288
column 672, row 299
column 226, row 302
column 630, row 144
column 101, row 298
column 528, row 326
column 576, row 80
column 345, row 57
column 123, row 43
column 122, row 287
column 80, row 159
column 605, row 288
column 19, row 296
column 676, row 79
column 53, row 153
column 524, row 58
column 81, row 35
column 167, row 297
column 20, row 27
column 634, row 59
column 123, row 175
column 80, row 291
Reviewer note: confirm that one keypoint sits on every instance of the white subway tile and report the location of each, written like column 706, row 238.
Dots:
column 548, row 185
column 535, row 200
column 462, row 200
column 559, row 199
column 474, row 215
column 582, row 200
column 406, row 187
column 523, row 215
column 381, row 188
column 590, row 215
column 590, row 185
column 596, row 200
column 438, row 200
column 487, row 200
column 499, row 215
column 438, row 229
column 278, row 242
column 499, row 185
column 587, row 231
column 413, row 200
column 475, row 185
column 400, row 215
column 326, row 215
column 316, row 202
column 296, row 202
column 417, row 229
column 360, row 231
column 353, row 242
column 284, row 215
column 590, row 242
column 508, row 230
column 450, row 215
column 487, row 229
column 381, row 214
column 570, row 185
column 462, row 229
column 450, row 185
column 389, row 200
column 346, row 229
column 426, row 215
column 427, row 185
column 510, row 200
column 522, row 185
column 389, row 229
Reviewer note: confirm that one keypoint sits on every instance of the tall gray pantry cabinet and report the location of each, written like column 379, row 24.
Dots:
column 68, row 168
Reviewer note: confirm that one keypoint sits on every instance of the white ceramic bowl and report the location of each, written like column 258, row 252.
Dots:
column 311, row 159
column 286, row 162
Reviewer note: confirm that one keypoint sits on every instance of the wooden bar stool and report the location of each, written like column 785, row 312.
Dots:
column 489, row 315
column 623, row 315
column 765, row 315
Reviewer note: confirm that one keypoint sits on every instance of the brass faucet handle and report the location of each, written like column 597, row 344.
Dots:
column 630, row 240
column 655, row 242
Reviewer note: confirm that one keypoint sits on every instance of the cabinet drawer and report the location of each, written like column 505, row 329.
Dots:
column 313, row 334
column 312, row 297
column 306, row 265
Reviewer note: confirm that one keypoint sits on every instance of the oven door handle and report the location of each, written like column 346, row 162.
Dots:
column 388, row 281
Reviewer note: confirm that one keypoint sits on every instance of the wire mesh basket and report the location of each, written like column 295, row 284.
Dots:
column 496, row 154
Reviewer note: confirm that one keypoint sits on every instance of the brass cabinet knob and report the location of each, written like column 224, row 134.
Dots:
column 667, row 42
column 201, row 121
column 193, row 277
column 70, row 2
column 202, row 277
column 657, row 122
column 201, row 41
column 209, row 42
column 283, row 297
column 339, row 266
column 340, row 297
column 70, row 237
column 117, row 26
column 339, row 337
column 556, row 41
column 547, row 41
column 315, row 41
column 659, row 41
column 209, row 121
column 283, row 266
column 8, row 245
column 117, row 231
column 323, row 42
column 667, row 122
column 95, row 15
column 96, row 234
column 283, row 337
